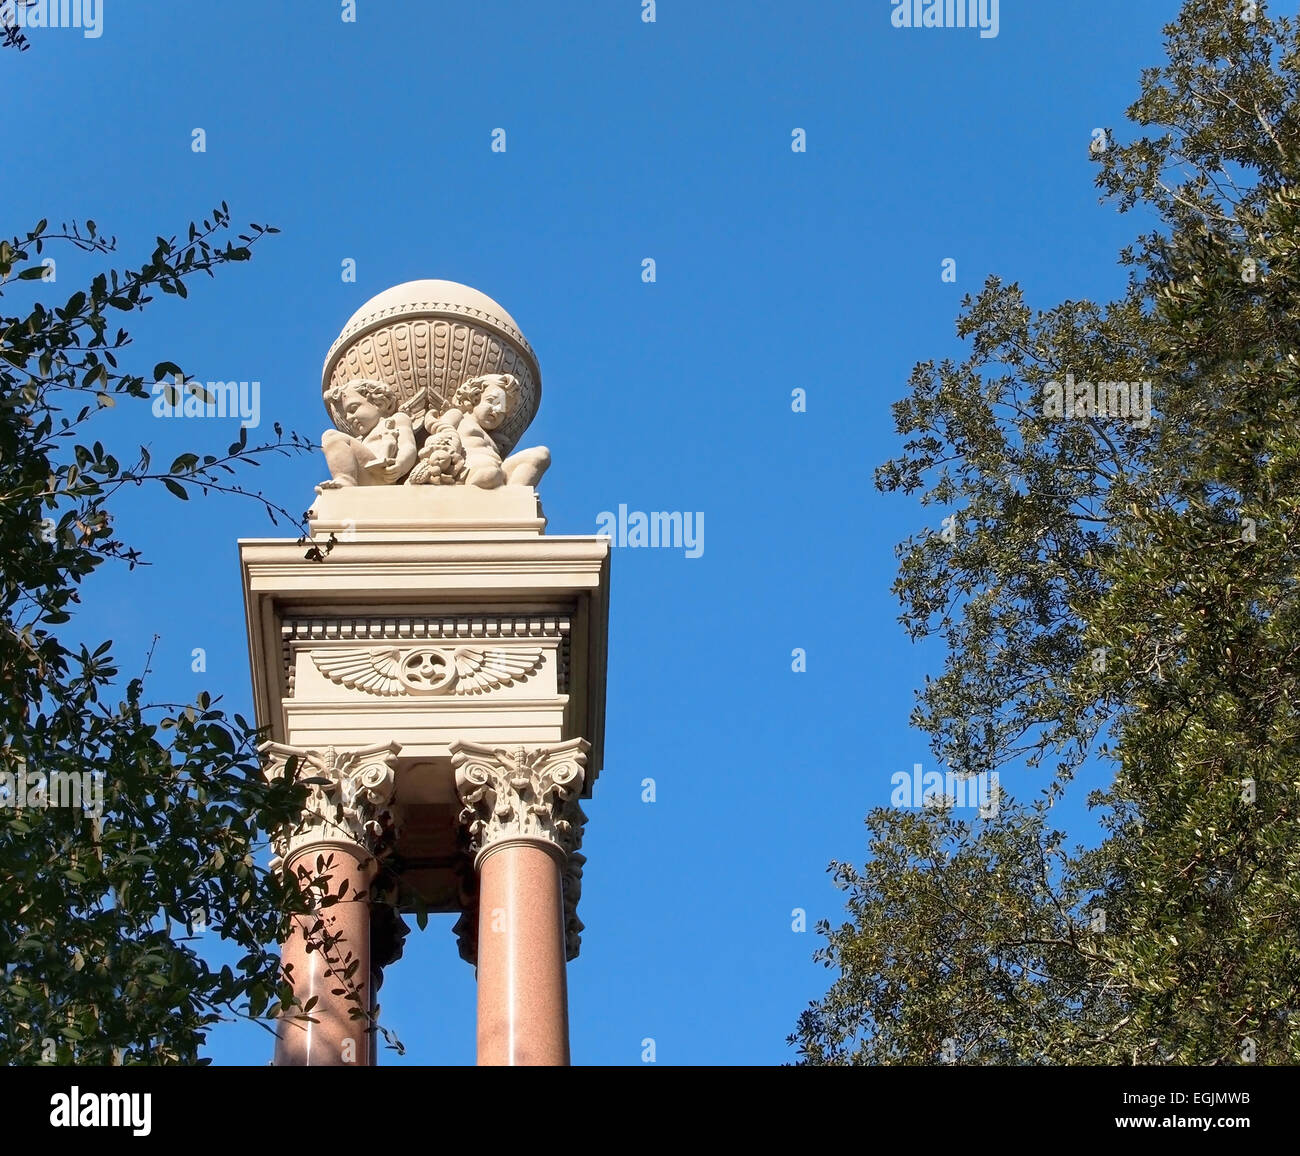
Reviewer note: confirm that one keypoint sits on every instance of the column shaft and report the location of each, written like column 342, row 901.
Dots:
column 348, row 820
column 523, row 1015
column 338, row 1038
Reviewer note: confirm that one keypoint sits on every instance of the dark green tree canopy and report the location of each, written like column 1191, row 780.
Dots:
column 1119, row 591
column 99, row 901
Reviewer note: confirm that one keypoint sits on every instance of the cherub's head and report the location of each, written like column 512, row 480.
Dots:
column 491, row 399
column 360, row 405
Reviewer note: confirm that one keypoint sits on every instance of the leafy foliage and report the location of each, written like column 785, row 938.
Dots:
column 99, row 913
column 11, row 33
column 1117, row 592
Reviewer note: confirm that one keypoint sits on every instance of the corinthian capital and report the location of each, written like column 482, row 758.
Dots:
column 353, row 804
column 518, row 793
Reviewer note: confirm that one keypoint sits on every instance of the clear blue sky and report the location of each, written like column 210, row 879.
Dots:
column 775, row 270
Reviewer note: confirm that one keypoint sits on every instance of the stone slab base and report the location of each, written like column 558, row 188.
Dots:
column 378, row 513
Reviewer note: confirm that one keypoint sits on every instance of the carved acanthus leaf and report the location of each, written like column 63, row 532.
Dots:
column 351, row 796
column 520, row 793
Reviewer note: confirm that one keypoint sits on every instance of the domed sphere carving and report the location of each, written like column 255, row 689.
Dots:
column 426, row 338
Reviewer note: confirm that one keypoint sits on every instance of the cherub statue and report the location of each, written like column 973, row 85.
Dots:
column 460, row 447
column 375, row 442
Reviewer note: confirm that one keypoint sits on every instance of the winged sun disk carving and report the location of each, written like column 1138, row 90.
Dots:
column 392, row 671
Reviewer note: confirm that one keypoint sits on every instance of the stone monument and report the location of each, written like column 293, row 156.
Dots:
column 434, row 668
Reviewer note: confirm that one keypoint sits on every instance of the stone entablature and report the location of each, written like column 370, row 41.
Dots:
column 477, row 654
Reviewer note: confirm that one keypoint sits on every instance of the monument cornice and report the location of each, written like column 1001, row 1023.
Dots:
column 552, row 565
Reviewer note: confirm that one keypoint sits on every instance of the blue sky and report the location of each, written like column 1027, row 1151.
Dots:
column 775, row 270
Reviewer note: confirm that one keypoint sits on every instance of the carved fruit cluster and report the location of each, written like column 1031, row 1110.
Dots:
column 442, row 461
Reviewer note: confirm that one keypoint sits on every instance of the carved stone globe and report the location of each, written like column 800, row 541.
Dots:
column 426, row 338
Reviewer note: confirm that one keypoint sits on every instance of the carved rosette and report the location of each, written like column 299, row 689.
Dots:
column 530, row 794
column 353, row 803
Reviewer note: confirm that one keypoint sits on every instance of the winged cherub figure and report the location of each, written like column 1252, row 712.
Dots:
column 375, row 442
column 460, row 447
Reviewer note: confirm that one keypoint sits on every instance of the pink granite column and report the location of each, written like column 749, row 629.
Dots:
column 522, row 814
column 523, row 1008
column 338, row 935
column 345, row 830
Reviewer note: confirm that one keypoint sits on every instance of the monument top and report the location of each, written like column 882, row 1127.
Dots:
column 427, row 338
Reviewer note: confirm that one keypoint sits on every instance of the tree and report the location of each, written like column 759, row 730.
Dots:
column 1117, row 591
column 98, row 905
column 11, row 34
